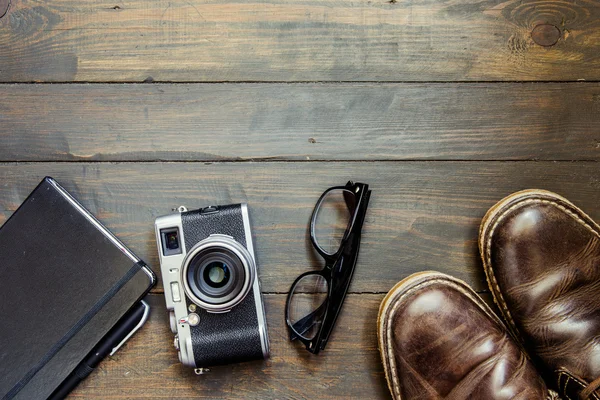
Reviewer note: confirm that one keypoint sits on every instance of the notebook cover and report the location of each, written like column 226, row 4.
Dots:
column 65, row 281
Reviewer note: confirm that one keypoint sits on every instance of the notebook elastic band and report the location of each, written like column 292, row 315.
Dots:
column 73, row 331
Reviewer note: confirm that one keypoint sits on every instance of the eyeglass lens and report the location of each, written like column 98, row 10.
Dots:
column 332, row 218
column 307, row 305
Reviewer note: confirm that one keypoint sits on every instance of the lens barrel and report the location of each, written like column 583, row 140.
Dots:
column 218, row 273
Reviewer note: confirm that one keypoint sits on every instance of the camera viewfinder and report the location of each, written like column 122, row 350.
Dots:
column 170, row 242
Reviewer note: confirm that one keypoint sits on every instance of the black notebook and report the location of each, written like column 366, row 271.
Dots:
column 65, row 281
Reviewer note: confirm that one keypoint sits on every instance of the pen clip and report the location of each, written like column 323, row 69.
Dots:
column 134, row 330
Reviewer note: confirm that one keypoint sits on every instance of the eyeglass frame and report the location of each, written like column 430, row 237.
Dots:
column 348, row 250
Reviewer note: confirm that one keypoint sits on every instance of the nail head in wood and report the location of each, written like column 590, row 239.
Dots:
column 545, row 34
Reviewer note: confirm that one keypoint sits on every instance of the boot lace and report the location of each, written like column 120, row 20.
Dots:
column 590, row 389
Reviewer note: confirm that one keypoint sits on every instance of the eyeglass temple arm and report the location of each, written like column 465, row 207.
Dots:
column 307, row 322
column 335, row 301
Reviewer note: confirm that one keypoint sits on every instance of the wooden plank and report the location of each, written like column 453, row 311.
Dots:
column 350, row 367
column 422, row 215
column 284, row 40
column 207, row 122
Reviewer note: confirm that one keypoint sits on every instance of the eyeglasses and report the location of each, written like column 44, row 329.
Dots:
column 316, row 297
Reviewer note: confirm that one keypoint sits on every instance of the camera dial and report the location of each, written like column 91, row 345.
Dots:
column 218, row 273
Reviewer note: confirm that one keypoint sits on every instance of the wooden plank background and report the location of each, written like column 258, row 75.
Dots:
column 305, row 40
column 349, row 368
column 443, row 107
column 422, row 215
column 216, row 122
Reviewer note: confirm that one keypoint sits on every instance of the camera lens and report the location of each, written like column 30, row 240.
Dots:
column 217, row 274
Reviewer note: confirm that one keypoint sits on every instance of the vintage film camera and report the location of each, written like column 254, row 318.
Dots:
column 211, row 286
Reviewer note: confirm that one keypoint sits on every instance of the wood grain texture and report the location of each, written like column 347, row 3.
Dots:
column 422, row 215
column 306, row 40
column 4, row 5
column 349, row 368
column 206, row 122
column 147, row 367
column 130, row 153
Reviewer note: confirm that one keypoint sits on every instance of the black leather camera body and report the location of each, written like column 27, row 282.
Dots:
column 211, row 286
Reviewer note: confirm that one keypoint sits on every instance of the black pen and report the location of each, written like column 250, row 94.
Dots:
column 129, row 324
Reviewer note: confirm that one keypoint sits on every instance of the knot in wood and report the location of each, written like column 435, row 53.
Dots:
column 545, row 34
column 4, row 4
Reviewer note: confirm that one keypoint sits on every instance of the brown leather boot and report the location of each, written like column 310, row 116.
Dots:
column 542, row 260
column 439, row 340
